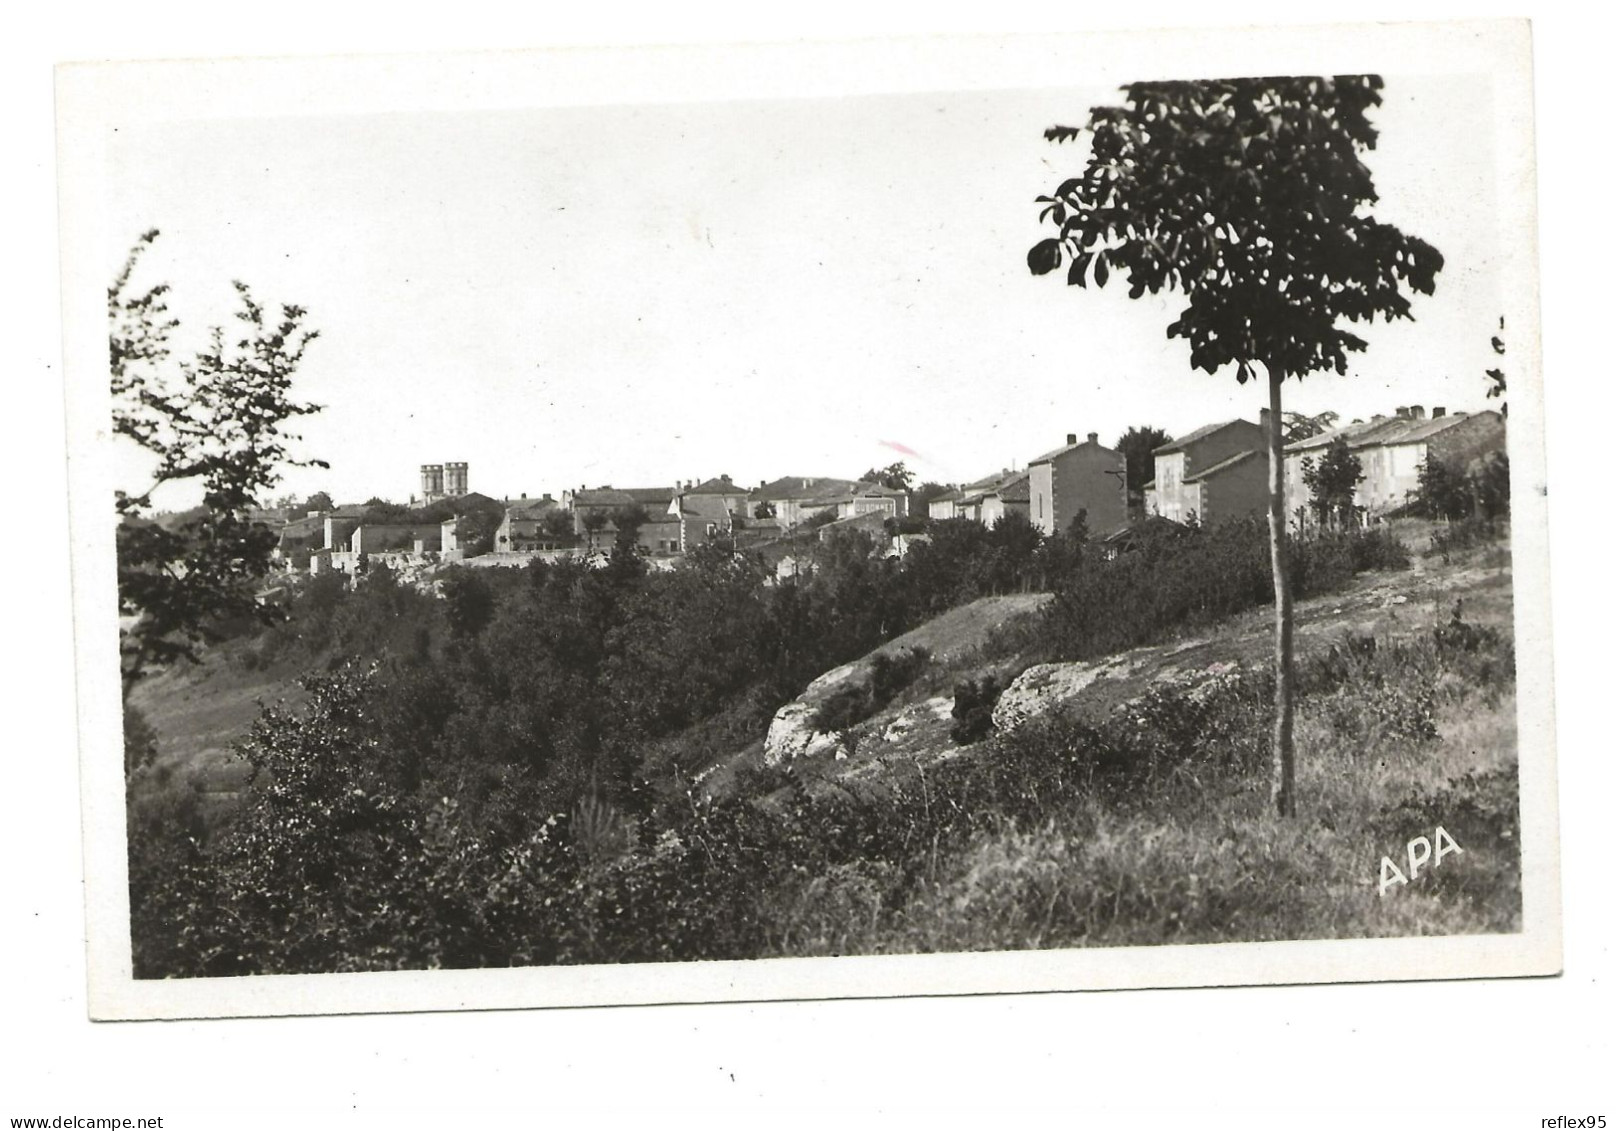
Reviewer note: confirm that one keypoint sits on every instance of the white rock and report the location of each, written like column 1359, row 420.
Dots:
column 792, row 735
column 912, row 716
column 1043, row 686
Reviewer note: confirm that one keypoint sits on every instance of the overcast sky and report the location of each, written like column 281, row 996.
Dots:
column 638, row 295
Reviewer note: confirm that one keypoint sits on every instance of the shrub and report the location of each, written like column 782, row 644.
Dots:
column 857, row 700
column 974, row 700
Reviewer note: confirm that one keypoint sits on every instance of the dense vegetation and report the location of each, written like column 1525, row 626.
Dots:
column 499, row 771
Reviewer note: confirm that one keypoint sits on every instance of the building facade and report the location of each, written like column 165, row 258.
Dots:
column 1089, row 478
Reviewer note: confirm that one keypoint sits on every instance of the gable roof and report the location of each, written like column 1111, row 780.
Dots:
column 723, row 485
column 530, row 508
column 1199, row 434
column 600, row 497
column 651, row 496
column 1415, row 431
column 709, row 507
column 1064, row 448
column 1385, row 431
column 797, row 487
column 1016, row 489
column 1221, row 466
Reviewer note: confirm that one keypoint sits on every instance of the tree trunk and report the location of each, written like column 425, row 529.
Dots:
column 1283, row 784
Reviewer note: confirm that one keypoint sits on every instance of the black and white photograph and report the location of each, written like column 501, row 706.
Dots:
column 543, row 539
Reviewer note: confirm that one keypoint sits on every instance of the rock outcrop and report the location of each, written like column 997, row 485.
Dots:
column 1044, row 686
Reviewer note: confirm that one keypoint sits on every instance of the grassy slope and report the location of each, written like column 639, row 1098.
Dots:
column 199, row 711
column 1201, row 858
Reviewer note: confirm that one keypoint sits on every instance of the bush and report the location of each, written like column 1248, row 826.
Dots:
column 974, row 700
column 1466, row 534
column 1196, row 577
column 851, row 704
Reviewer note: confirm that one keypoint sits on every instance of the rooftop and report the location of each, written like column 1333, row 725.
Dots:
column 1200, row 433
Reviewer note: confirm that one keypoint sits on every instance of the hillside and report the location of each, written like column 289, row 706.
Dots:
column 462, row 812
column 982, row 639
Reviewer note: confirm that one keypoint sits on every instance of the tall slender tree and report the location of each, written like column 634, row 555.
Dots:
column 1250, row 196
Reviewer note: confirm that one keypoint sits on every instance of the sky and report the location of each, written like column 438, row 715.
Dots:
column 639, row 295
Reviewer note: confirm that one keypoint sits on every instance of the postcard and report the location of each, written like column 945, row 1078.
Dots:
column 933, row 516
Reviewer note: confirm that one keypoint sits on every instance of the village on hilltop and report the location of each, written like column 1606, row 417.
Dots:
column 1212, row 474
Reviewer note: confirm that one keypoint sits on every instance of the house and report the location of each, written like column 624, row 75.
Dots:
column 1086, row 477
column 595, row 511
column 945, row 506
column 795, row 499
column 531, row 524
column 1391, row 450
column 301, row 537
column 967, row 501
column 871, row 498
column 701, row 519
column 1215, row 473
column 1011, row 495
column 873, row 523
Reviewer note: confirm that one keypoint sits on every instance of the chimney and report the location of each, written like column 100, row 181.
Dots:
column 1402, row 412
column 1071, row 438
column 1377, row 418
column 1263, row 418
column 1438, row 412
column 1094, row 437
column 1417, row 411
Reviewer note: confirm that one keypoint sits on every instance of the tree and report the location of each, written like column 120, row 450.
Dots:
column 1300, row 426
column 216, row 421
column 557, row 524
column 319, row 501
column 924, row 494
column 1250, row 197
column 593, row 521
column 895, row 476
column 1333, row 482
column 1137, row 446
column 1444, row 491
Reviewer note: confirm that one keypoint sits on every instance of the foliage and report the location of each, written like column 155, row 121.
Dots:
column 895, row 476
column 921, row 497
column 1300, row 426
column 217, row 420
column 974, row 700
column 1247, row 195
column 319, row 501
column 1450, row 491
column 1137, row 446
column 1178, row 579
column 468, row 602
column 1250, row 197
column 139, row 741
column 857, row 699
column 336, row 863
column 1332, row 484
